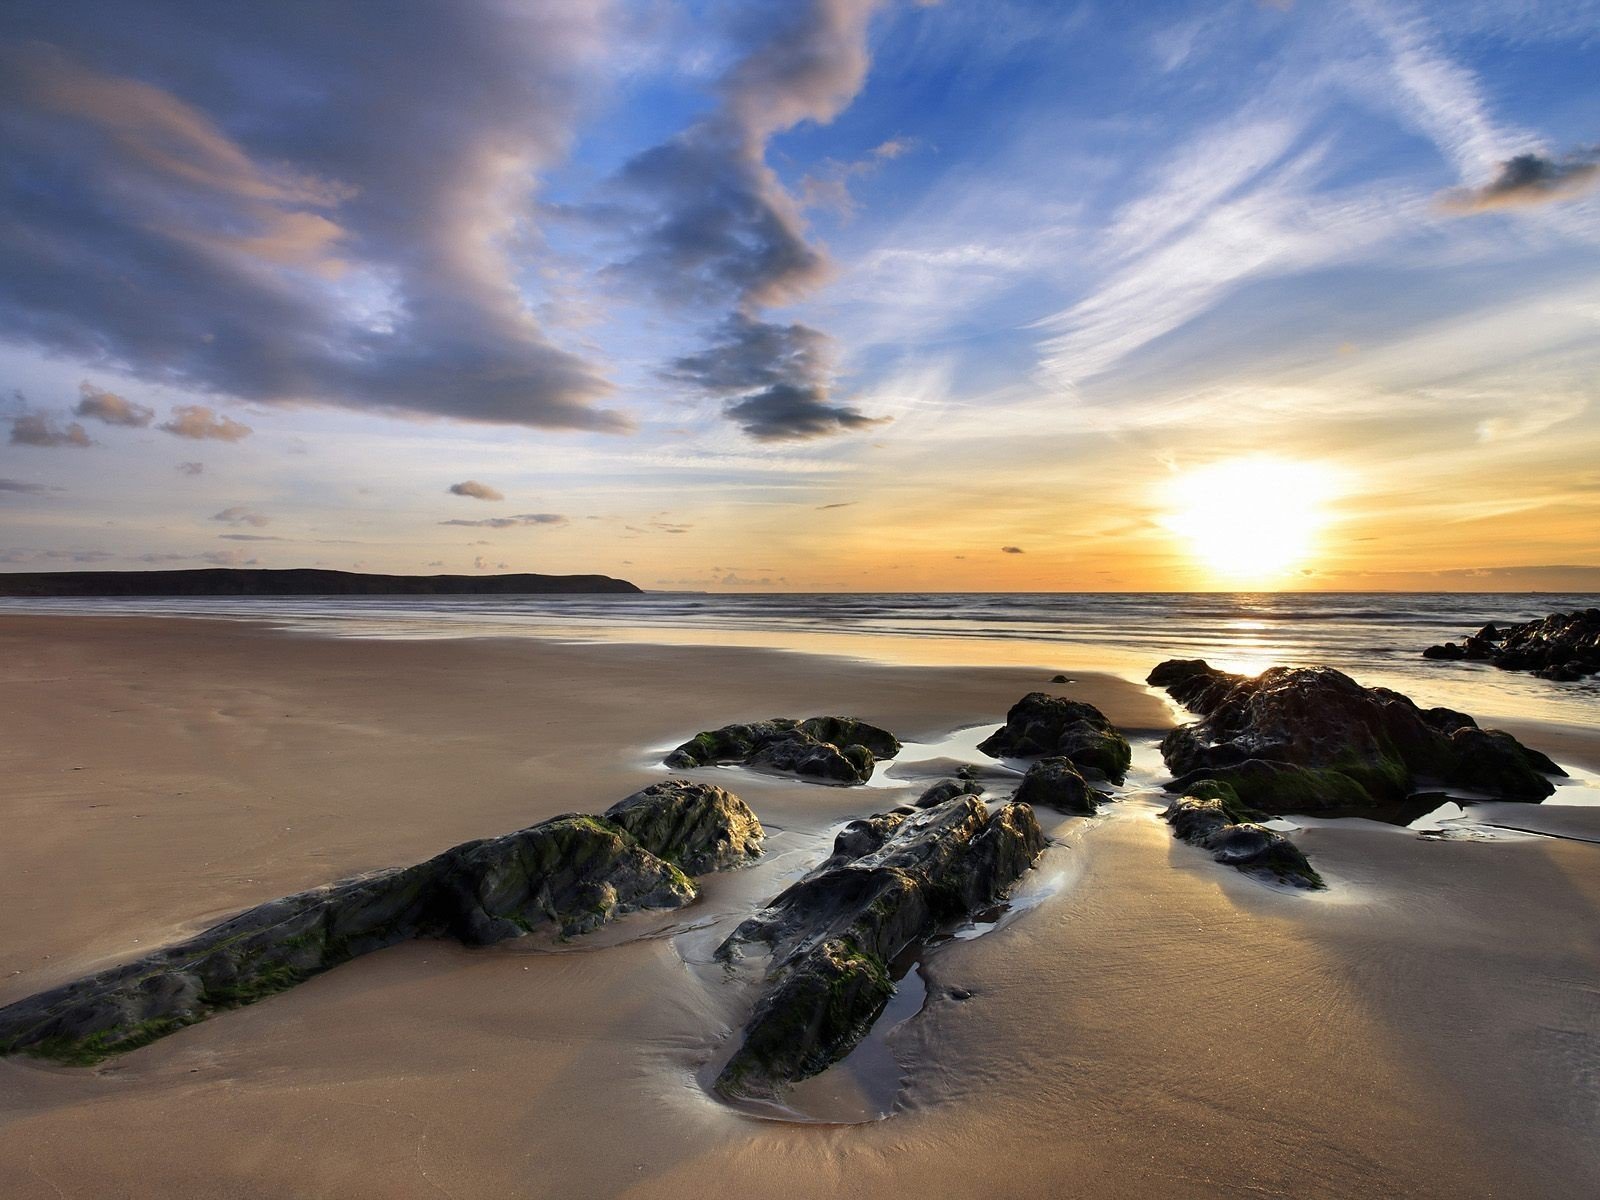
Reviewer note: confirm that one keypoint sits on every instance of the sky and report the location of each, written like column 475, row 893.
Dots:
column 807, row 295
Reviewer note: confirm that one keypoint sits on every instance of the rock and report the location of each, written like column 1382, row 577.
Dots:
column 832, row 749
column 1056, row 783
column 697, row 827
column 1311, row 739
column 1216, row 821
column 1039, row 726
column 1563, row 647
column 569, row 874
column 948, row 789
column 892, row 880
column 1059, row 679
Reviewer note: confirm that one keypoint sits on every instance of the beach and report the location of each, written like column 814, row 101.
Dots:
column 1150, row 1023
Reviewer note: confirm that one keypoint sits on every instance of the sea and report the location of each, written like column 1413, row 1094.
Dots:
column 1378, row 638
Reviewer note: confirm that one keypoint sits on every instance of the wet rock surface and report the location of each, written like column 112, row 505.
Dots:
column 892, row 881
column 569, row 874
column 947, row 789
column 831, row 749
column 1313, row 740
column 1056, row 783
column 697, row 827
column 1563, row 647
column 1214, row 819
column 1045, row 726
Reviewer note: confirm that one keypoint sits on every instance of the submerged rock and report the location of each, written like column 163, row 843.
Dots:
column 1311, row 739
column 1214, row 819
column 569, row 874
column 893, row 880
column 1056, row 783
column 1040, row 725
column 948, row 789
column 697, row 827
column 833, row 749
column 1564, row 647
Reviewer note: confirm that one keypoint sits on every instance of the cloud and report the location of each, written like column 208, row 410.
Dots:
column 199, row 422
column 483, row 564
column 781, row 374
column 1012, row 550
column 323, row 224
column 41, row 429
column 191, row 468
column 722, row 229
column 840, row 504
column 96, row 404
column 250, row 537
column 23, row 489
column 511, row 522
column 785, row 413
column 1529, row 179
column 240, row 515
column 476, row 490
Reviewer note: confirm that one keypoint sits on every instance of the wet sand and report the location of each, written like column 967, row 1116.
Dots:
column 1157, row 1026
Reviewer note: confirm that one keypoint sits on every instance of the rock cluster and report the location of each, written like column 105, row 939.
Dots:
column 893, row 880
column 571, row 874
column 1313, row 740
column 1213, row 818
column 1041, row 725
column 1056, row 783
column 1564, row 647
column 830, row 749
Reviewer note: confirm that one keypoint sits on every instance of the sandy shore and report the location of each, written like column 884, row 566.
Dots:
column 1157, row 1026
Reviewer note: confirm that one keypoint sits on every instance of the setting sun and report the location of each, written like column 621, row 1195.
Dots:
column 1250, row 519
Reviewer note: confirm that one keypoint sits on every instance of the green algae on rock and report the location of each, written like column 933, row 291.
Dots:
column 569, row 874
column 832, row 749
column 892, row 880
column 1044, row 726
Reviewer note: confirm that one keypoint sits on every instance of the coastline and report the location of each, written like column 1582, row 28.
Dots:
column 1159, row 1025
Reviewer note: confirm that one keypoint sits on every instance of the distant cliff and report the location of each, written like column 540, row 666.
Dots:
column 300, row 582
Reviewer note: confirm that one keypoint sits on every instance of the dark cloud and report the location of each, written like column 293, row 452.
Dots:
column 240, row 515
column 511, row 522
column 475, row 490
column 841, row 504
column 722, row 229
column 97, row 404
column 41, row 429
column 294, row 202
column 788, row 413
column 199, row 422
column 1012, row 550
column 191, row 468
column 781, row 375
column 1531, row 179
column 21, row 488
column 250, row 537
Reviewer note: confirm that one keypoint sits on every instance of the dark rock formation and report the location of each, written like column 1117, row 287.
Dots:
column 1312, row 740
column 948, row 789
column 892, row 881
column 1056, row 783
column 1213, row 818
column 1051, row 726
column 303, row 581
column 832, row 749
column 1564, row 647
column 569, row 874
column 697, row 827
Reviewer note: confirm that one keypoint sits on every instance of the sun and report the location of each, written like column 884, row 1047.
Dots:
column 1250, row 520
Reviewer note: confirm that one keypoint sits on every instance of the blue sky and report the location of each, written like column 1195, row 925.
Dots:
column 823, row 294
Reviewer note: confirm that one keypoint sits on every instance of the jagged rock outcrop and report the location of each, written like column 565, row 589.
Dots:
column 1056, row 783
column 697, row 827
column 1213, row 818
column 1041, row 725
column 892, row 880
column 569, row 874
column 1564, row 647
column 1311, row 739
column 831, row 749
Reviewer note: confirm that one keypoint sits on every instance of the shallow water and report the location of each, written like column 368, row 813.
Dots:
column 1377, row 637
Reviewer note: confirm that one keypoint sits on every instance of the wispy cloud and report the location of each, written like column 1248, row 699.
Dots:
column 46, row 432
column 472, row 489
column 510, row 522
column 97, row 404
column 202, row 424
column 238, row 514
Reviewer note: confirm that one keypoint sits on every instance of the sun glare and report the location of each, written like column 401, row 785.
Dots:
column 1250, row 520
